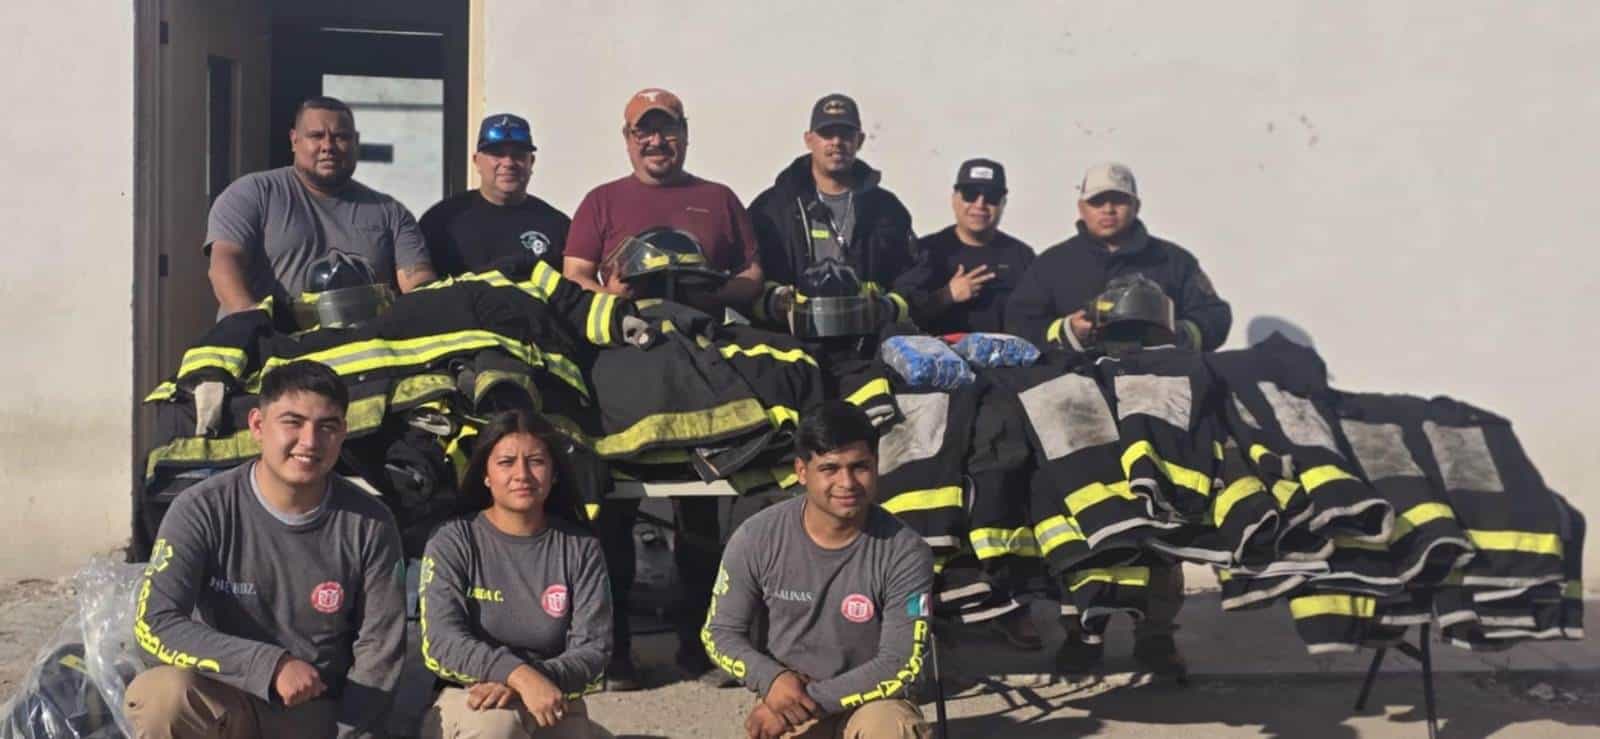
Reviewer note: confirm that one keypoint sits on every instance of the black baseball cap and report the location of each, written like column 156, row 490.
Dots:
column 504, row 128
column 835, row 110
column 982, row 173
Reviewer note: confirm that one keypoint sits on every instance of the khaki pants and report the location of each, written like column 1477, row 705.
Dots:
column 169, row 703
column 880, row 719
column 1165, row 600
column 450, row 718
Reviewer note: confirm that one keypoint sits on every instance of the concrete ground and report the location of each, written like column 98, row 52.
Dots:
column 1251, row 677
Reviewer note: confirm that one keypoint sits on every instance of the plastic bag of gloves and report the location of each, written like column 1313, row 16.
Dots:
column 925, row 362
column 996, row 350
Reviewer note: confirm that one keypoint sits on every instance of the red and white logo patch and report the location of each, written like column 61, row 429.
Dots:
column 857, row 608
column 554, row 601
column 327, row 597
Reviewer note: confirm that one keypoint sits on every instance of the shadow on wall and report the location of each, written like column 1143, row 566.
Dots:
column 1263, row 326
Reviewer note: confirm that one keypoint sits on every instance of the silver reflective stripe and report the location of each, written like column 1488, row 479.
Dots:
column 1068, row 414
column 1301, row 422
column 1166, row 398
column 920, row 435
column 1245, row 414
column 1380, row 449
column 1464, row 460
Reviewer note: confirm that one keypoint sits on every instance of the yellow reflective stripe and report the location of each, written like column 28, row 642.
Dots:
column 591, row 511
column 759, row 350
column 668, row 428
column 781, row 414
column 415, row 388
column 1527, row 542
column 487, row 379
column 1418, row 515
column 924, row 500
column 1241, row 488
column 164, row 391
column 902, row 310
column 1055, row 531
column 989, row 543
column 598, row 330
column 1284, row 491
column 1333, row 604
column 432, row 663
column 1321, row 475
column 1095, row 493
column 375, row 354
column 160, row 557
column 904, row 677
column 1133, row 576
column 1258, row 451
column 729, row 664
column 1349, row 542
column 226, row 358
column 785, row 476
column 1573, row 589
column 265, row 305
column 456, row 452
column 868, row 391
column 1181, row 476
column 566, row 371
column 364, row 414
column 545, row 277
column 1053, row 333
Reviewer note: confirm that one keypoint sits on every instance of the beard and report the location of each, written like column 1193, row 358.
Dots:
column 333, row 181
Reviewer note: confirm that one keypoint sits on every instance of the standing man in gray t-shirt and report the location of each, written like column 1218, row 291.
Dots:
column 267, row 228
column 842, row 588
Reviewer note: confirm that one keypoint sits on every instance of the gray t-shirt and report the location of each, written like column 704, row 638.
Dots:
column 330, row 591
column 284, row 227
column 842, row 208
column 854, row 620
column 492, row 602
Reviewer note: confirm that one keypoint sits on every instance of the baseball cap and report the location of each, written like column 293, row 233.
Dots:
column 504, row 128
column 835, row 110
column 983, row 173
column 1108, row 177
column 652, row 98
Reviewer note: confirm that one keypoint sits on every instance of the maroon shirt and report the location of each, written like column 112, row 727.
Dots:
column 622, row 208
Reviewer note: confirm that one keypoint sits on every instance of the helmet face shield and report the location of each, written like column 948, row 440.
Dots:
column 830, row 302
column 661, row 262
column 342, row 291
column 1134, row 308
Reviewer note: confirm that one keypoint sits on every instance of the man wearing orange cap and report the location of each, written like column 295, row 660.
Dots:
column 660, row 193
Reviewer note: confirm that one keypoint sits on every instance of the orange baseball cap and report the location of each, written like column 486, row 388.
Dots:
column 652, row 98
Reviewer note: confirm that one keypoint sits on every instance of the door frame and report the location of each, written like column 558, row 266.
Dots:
column 147, row 220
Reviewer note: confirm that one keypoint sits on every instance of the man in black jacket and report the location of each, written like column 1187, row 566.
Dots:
column 827, row 204
column 1048, row 308
column 1048, row 305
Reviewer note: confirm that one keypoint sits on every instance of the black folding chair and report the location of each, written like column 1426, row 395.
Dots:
column 1422, row 653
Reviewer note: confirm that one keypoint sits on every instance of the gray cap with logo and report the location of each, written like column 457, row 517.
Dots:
column 1108, row 177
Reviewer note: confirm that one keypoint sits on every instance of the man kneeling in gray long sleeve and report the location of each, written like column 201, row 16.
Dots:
column 297, row 580
column 842, row 588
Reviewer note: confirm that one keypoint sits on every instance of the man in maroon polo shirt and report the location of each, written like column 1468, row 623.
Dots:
column 661, row 193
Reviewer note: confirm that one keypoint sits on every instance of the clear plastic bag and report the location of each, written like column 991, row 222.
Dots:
column 108, row 597
column 58, row 700
column 996, row 350
column 925, row 362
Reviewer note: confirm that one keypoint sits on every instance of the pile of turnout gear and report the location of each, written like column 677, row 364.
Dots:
column 1065, row 472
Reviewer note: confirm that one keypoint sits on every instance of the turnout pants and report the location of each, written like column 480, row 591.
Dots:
column 169, row 703
column 697, row 566
column 450, row 718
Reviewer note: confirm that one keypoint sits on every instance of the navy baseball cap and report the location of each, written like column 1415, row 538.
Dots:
column 504, row 128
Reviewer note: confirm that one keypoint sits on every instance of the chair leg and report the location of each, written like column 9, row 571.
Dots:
column 1372, row 674
column 1427, row 683
column 941, row 727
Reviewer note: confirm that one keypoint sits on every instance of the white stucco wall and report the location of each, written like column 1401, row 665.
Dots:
column 1408, row 182
column 66, row 284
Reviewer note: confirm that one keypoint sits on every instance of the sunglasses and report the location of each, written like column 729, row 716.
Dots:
column 970, row 193
column 502, row 134
column 672, row 132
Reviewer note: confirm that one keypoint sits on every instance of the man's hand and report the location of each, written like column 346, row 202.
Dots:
column 788, row 698
column 542, row 698
column 487, row 695
column 296, row 681
column 617, row 287
column 762, row 723
column 780, row 302
column 964, row 285
column 1081, row 326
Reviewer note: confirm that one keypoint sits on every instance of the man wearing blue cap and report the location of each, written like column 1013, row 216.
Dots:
column 499, row 223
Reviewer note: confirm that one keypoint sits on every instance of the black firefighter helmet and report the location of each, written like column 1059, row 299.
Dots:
column 1133, row 310
column 663, row 262
column 342, row 290
column 829, row 301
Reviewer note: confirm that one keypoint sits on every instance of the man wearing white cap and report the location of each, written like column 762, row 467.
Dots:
column 1048, row 308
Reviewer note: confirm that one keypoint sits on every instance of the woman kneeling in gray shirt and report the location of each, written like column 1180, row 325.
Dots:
column 516, row 612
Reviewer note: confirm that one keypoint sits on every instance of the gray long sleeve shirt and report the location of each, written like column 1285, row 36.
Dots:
column 854, row 620
column 492, row 602
column 330, row 591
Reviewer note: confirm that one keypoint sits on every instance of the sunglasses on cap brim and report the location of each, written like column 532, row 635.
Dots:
column 505, row 135
column 970, row 193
